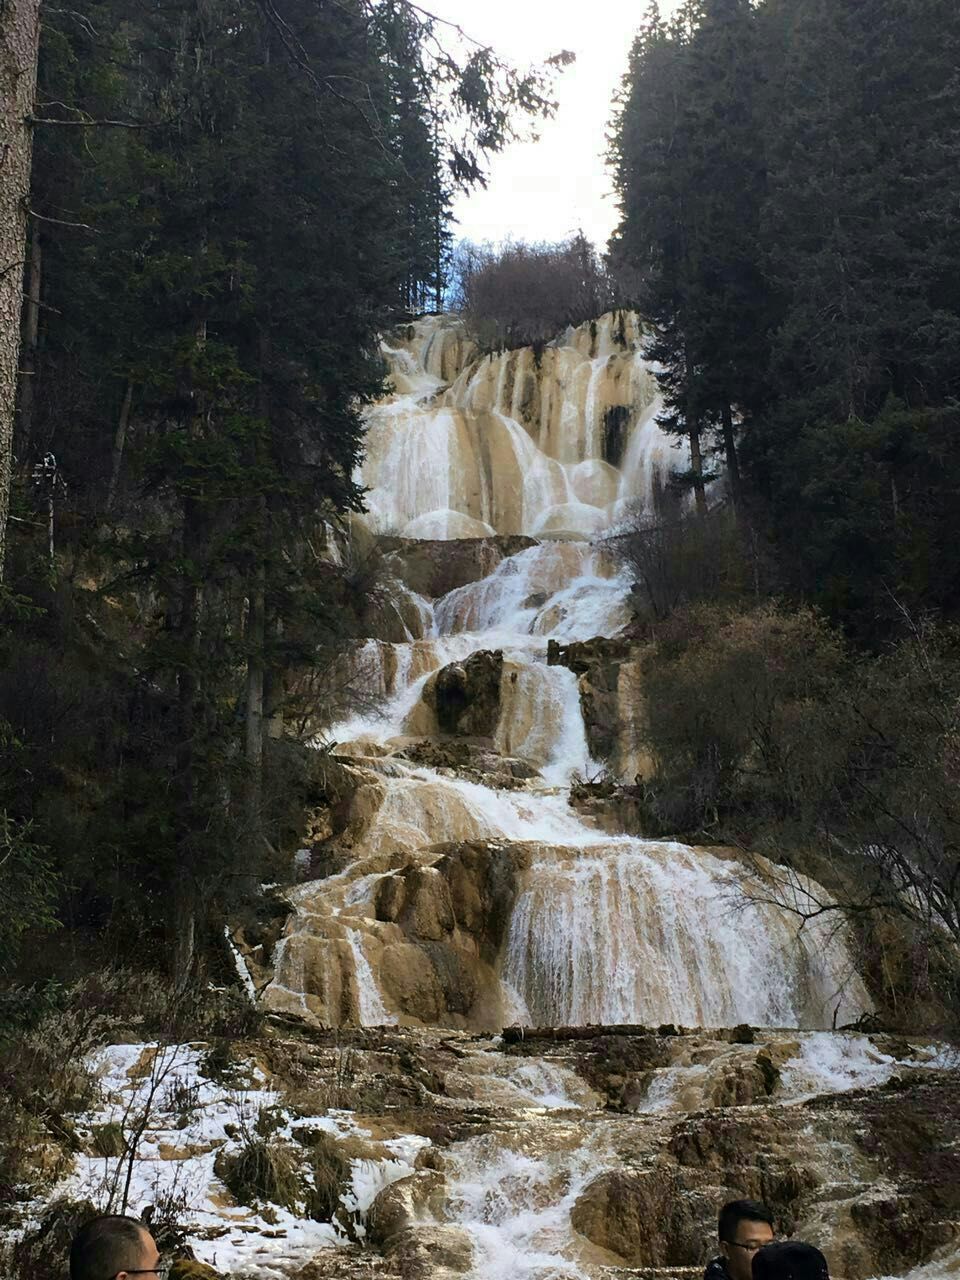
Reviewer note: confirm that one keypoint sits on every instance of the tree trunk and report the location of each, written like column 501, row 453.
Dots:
column 693, row 431
column 184, row 898
column 19, row 42
column 256, row 634
column 119, row 439
column 184, row 894
column 31, row 336
column 730, row 450
column 696, row 466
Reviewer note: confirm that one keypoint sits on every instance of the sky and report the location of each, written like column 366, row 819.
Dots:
column 548, row 189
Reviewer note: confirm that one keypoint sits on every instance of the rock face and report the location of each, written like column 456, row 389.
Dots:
column 434, row 568
column 440, row 918
column 465, row 697
column 470, row 760
column 453, row 915
column 643, row 1217
column 609, row 674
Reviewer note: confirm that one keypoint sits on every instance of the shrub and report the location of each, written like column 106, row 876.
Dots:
column 329, row 1172
column 526, row 294
column 679, row 559
column 260, row 1171
column 768, row 730
column 29, row 886
column 737, row 706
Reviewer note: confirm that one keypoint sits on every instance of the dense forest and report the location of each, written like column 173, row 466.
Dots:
column 218, row 217
column 790, row 226
column 786, row 178
column 228, row 205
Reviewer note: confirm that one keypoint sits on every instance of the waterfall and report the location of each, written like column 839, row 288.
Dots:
column 603, row 929
column 651, row 933
column 371, row 1010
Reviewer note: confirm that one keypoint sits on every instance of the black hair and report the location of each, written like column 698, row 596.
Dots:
column 733, row 1213
column 789, row 1260
column 103, row 1246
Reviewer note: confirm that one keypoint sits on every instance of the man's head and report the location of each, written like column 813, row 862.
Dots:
column 744, row 1226
column 112, row 1248
column 790, row 1260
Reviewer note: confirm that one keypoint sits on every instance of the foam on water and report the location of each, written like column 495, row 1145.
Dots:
column 516, row 1207
column 835, row 1062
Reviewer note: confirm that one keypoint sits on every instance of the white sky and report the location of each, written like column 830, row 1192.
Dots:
column 547, row 189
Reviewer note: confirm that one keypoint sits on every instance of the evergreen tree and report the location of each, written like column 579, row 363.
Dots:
column 240, row 203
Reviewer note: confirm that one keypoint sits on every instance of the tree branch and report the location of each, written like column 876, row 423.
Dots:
column 59, row 222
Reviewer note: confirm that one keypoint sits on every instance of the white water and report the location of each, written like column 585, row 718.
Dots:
column 606, row 929
column 371, row 1010
column 516, row 1206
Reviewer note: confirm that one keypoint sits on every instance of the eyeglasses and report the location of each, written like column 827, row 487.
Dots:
column 161, row 1272
column 749, row 1248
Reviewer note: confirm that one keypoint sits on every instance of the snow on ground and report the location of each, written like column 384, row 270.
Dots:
column 186, row 1119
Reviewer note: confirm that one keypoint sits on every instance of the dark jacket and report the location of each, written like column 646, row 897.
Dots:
column 717, row 1269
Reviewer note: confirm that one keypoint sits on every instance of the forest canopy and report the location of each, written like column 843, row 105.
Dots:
column 786, row 175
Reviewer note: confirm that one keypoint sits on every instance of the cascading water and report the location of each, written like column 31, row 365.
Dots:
column 604, row 929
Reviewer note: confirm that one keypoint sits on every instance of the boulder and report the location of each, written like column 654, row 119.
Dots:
column 642, row 1216
column 189, row 1269
column 597, row 662
column 465, row 696
column 470, row 760
column 402, row 1204
column 411, row 982
column 433, row 1253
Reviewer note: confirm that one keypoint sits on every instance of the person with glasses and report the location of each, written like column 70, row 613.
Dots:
column 744, row 1227
column 114, row 1247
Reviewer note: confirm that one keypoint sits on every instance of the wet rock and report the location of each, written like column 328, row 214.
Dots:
column 643, row 1217
column 598, row 664
column 403, row 1204
column 744, row 1083
column 756, row 1156
column 433, row 568
column 411, row 982
column 465, row 697
column 432, row 1253
column 471, row 760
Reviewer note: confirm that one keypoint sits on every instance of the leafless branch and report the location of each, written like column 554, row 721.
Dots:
column 59, row 222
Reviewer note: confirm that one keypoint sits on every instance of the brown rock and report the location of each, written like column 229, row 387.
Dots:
column 433, row 568
column 465, row 697
column 411, row 981
column 189, row 1269
column 643, row 1217
column 428, row 896
column 391, row 898
column 433, row 1253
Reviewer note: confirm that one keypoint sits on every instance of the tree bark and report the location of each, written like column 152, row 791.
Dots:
column 693, row 431
column 730, row 451
column 31, row 337
column 696, row 466
column 119, row 439
column 19, row 43
column 256, row 635
column 184, row 898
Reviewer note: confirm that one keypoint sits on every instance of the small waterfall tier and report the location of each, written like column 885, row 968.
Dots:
column 555, row 443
